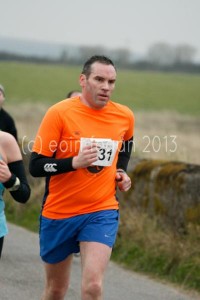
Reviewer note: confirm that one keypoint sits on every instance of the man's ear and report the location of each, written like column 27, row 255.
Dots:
column 82, row 80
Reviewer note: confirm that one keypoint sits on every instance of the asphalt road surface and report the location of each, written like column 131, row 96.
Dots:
column 22, row 275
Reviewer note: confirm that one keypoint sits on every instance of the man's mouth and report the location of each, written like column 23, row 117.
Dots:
column 103, row 97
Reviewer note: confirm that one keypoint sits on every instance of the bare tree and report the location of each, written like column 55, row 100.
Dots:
column 184, row 54
column 87, row 51
column 121, row 56
column 161, row 54
column 64, row 55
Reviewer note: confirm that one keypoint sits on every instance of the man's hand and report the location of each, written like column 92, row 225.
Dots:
column 123, row 180
column 86, row 157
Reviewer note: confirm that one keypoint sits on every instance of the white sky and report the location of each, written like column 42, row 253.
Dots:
column 136, row 24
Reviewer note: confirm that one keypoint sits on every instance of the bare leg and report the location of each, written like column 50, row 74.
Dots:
column 94, row 260
column 57, row 279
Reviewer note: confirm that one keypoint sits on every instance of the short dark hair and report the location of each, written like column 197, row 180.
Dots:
column 96, row 58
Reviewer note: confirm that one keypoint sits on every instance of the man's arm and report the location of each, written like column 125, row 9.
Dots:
column 125, row 154
column 42, row 166
column 122, row 179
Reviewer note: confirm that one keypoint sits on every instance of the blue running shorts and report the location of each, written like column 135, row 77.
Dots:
column 60, row 238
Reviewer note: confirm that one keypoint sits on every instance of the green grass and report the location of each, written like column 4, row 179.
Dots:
column 26, row 82
column 26, row 215
column 37, row 83
column 160, row 91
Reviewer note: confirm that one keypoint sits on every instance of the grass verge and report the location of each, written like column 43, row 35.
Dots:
column 144, row 247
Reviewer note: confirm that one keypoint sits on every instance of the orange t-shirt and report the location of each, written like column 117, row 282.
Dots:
column 88, row 189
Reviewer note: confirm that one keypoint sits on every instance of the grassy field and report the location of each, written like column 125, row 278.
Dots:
column 147, row 91
column 165, row 105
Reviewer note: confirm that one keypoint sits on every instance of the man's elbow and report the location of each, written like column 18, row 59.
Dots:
column 33, row 170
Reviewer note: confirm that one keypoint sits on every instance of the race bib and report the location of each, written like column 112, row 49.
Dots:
column 106, row 150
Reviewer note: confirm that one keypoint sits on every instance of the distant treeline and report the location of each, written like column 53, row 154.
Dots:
column 140, row 65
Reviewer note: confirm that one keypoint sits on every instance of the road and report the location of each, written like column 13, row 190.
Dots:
column 22, row 276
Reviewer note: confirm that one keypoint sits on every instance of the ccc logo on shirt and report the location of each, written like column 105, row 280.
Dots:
column 50, row 167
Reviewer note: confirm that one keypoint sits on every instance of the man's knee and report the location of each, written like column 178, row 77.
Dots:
column 93, row 288
column 56, row 292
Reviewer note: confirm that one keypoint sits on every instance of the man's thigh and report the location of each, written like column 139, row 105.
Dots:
column 94, row 260
column 58, row 274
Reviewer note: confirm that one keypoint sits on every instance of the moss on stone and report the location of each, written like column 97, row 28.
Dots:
column 171, row 169
column 192, row 214
column 159, row 207
column 145, row 167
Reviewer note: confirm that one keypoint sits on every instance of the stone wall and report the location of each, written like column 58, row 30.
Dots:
column 166, row 189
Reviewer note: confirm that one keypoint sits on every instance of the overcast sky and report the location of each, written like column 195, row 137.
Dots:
column 136, row 24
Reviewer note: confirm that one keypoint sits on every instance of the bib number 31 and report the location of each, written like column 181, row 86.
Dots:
column 106, row 150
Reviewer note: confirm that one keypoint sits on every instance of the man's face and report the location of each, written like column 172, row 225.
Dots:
column 98, row 87
column 1, row 98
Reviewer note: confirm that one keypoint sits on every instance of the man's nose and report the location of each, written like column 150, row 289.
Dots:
column 105, row 85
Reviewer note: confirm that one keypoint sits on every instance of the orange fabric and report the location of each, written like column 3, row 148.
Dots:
column 81, row 191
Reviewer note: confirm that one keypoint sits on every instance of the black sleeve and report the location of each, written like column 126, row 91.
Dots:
column 23, row 193
column 125, row 154
column 9, row 124
column 41, row 166
column 13, row 130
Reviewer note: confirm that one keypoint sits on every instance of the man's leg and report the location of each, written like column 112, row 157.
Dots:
column 94, row 260
column 57, row 279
